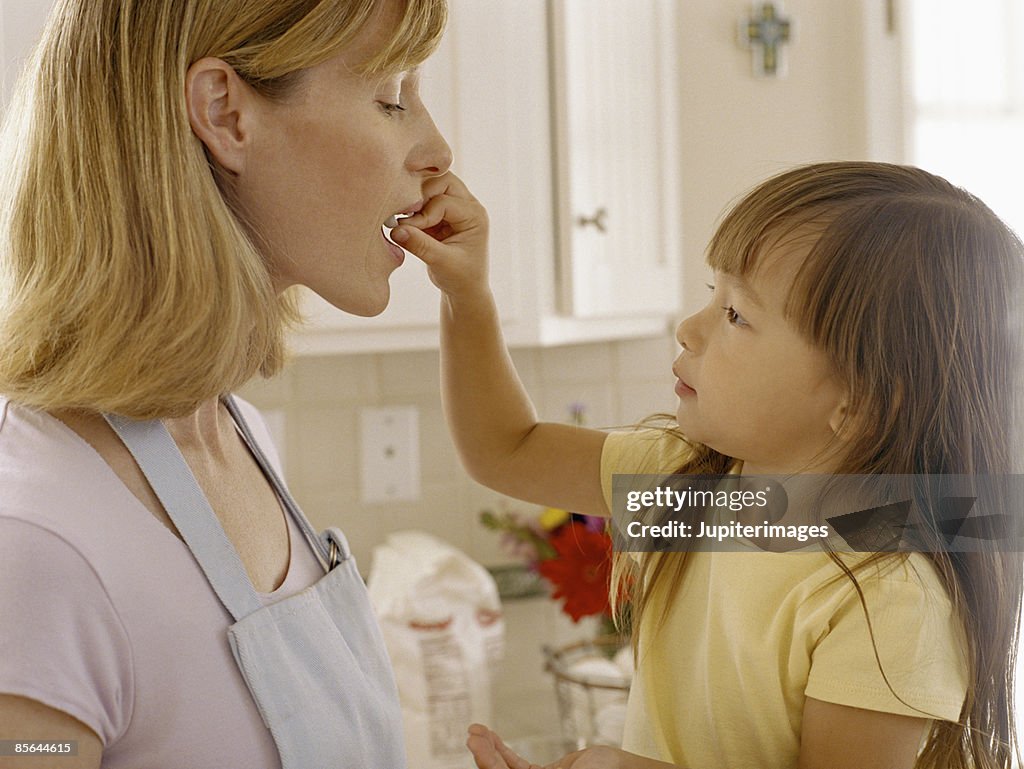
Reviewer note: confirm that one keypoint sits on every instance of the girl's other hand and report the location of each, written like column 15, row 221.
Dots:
column 490, row 752
column 449, row 234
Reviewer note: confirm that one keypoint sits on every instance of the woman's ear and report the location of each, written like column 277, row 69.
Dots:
column 220, row 111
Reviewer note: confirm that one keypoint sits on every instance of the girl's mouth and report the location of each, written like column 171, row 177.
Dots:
column 684, row 390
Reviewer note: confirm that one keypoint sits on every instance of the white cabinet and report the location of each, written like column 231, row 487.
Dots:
column 556, row 110
column 615, row 93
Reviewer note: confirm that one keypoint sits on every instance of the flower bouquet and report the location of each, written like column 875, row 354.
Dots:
column 572, row 552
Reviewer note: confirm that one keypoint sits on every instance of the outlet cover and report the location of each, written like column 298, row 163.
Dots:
column 390, row 448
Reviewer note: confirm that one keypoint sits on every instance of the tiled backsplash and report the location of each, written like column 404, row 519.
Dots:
column 618, row 382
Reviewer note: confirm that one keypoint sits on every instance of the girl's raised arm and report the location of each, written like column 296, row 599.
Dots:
column 493, row 422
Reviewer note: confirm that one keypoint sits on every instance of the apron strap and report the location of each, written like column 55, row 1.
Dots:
column 175, row 486
column 321, row 544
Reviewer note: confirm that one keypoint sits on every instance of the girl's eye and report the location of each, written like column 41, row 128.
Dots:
column 734, row 317
column 731, row 315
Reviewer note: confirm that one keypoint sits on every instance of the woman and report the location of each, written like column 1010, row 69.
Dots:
column 171, row 168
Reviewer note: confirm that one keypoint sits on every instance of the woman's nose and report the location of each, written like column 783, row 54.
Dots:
column 433, row 156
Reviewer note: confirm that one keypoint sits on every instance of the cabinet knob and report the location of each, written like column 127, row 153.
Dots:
column 597, row 220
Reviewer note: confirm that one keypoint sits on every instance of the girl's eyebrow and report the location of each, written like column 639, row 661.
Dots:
column 743, row 287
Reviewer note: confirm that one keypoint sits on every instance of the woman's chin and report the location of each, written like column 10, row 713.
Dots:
column 366, row 310
column 363, row 305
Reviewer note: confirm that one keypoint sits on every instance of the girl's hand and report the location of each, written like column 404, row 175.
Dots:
column 449, row 234
column 490, row 752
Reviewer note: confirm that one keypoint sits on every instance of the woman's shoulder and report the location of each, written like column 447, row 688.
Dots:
column 38, row 449
column 56, row 481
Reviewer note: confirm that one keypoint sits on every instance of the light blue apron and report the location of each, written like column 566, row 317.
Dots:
column 315, row 662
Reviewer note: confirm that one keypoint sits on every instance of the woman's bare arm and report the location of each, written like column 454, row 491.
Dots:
column 26, row 720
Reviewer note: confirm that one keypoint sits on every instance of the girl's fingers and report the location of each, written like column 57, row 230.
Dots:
column 566, row 762
column 484, row 754
column 448, row 184
column 419, row 243
column 489, row 752
column 430, row 215
column 513, row 759
column 449, row 234
column 480, row 744
column 459, row 213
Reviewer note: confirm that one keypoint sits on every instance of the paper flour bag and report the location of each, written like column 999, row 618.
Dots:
column 442, row 623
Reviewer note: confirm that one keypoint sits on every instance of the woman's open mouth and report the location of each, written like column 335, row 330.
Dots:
column 389, row 224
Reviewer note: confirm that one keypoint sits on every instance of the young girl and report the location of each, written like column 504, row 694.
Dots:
column 862, row 321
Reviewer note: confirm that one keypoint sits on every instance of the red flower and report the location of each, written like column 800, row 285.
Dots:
column 581, row 572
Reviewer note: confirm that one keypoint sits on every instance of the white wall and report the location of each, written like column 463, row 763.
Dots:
column 20, row 24
column 737, row 129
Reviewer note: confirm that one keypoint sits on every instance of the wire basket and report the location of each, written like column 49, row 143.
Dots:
column 591, row 705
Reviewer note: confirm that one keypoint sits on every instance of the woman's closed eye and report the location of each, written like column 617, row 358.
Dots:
column 390, row 108
column 393, row 92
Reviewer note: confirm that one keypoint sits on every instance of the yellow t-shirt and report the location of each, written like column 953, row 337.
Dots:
column 749, row 635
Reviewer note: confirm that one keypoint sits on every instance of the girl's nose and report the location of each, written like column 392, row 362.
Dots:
column 688, row 333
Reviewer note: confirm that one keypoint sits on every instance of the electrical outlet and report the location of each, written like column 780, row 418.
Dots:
column 390, row 443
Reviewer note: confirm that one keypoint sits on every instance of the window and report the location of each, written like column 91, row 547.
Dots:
column 967, row 97
column 966, row 112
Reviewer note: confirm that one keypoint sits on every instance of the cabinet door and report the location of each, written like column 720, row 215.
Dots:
column 615, row 83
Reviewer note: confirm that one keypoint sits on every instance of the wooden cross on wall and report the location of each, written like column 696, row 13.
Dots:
column 767, row 30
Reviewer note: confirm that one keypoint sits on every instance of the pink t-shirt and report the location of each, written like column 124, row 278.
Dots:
column 105, row 615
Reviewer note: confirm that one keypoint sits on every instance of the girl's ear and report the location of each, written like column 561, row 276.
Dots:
column 221, row 111
column 841, row 422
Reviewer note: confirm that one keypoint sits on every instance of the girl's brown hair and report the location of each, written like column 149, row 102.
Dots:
column 127, row 282
column 913, row 289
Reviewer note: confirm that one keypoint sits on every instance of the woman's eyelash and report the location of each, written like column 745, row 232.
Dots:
column 390, row 107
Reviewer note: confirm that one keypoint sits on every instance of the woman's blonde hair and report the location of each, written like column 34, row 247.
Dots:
column 128, row 284
column 912, row 288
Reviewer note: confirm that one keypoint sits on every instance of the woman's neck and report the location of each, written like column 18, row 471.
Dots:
column 207, row 430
